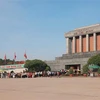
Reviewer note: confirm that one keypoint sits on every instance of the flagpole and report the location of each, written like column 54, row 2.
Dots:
column 5, row 59
column 25, row 59
column 25, row 56
column 14, row 57
column 5, row 62
column 14, row 61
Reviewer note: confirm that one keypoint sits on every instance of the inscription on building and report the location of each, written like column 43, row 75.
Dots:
column 84, row 31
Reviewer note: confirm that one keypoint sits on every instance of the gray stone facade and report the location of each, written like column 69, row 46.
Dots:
column 70, row 59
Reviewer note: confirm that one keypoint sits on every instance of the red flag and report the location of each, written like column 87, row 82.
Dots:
column 5, row 57
column 14, row 56
column 25, row 55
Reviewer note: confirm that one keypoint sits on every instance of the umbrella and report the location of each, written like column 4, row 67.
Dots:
column 94, row 66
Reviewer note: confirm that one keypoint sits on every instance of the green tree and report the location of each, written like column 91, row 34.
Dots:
column 36, row 65
column 1, row 62
column 47, row 68
column 94, row 60
column 70, row 71
column 99, row 71
column 85, row 69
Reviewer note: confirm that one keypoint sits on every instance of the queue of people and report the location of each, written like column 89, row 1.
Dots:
column 24, row 74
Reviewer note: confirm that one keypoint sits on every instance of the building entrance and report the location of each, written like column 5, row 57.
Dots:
column 76, row 68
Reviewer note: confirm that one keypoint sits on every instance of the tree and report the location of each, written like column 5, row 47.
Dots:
column 85, row 69
column 47, row 68
column 8, row 61
column 94, row 60
column 71, row 71
column 36, row 65
column 1, row 62
column 99, row 71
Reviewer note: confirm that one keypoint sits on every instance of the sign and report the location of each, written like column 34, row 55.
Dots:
column 12, row 66
column 84, row 31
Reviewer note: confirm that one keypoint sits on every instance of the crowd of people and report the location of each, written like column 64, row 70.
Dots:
column 25, row 74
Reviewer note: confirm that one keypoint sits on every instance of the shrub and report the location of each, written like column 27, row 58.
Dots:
column 85, row 69
column 94, row 60
column 99, row 71
column 70, row 71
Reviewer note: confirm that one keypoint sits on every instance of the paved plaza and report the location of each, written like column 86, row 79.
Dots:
column 69, row 88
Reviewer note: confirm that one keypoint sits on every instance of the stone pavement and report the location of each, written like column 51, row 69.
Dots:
column 70, row 88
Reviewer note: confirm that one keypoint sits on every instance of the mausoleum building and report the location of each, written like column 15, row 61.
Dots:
column 81, row 44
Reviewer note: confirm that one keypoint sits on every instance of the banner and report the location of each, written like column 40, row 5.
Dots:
column 12, row 66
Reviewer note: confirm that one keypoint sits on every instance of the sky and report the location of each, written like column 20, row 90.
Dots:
column 37, row 27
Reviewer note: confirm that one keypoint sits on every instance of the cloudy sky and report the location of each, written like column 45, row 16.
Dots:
column 38, row 26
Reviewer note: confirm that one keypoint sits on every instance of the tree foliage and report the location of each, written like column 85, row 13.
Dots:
column 36, row 65
column 99, row 71
column 10, row 62
column 94, row 60
column 85, row 69
column 70, row 71
column 7, row 62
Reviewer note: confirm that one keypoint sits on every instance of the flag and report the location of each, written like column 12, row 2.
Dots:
column 25, row 55
column 14, row 56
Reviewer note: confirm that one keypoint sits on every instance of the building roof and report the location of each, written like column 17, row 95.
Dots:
column 83, row 30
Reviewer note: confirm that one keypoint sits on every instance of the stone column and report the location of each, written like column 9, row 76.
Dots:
column 87, row 42
column 80, row 41
column 94, row 40
column 67, row 45
column 73, row 44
